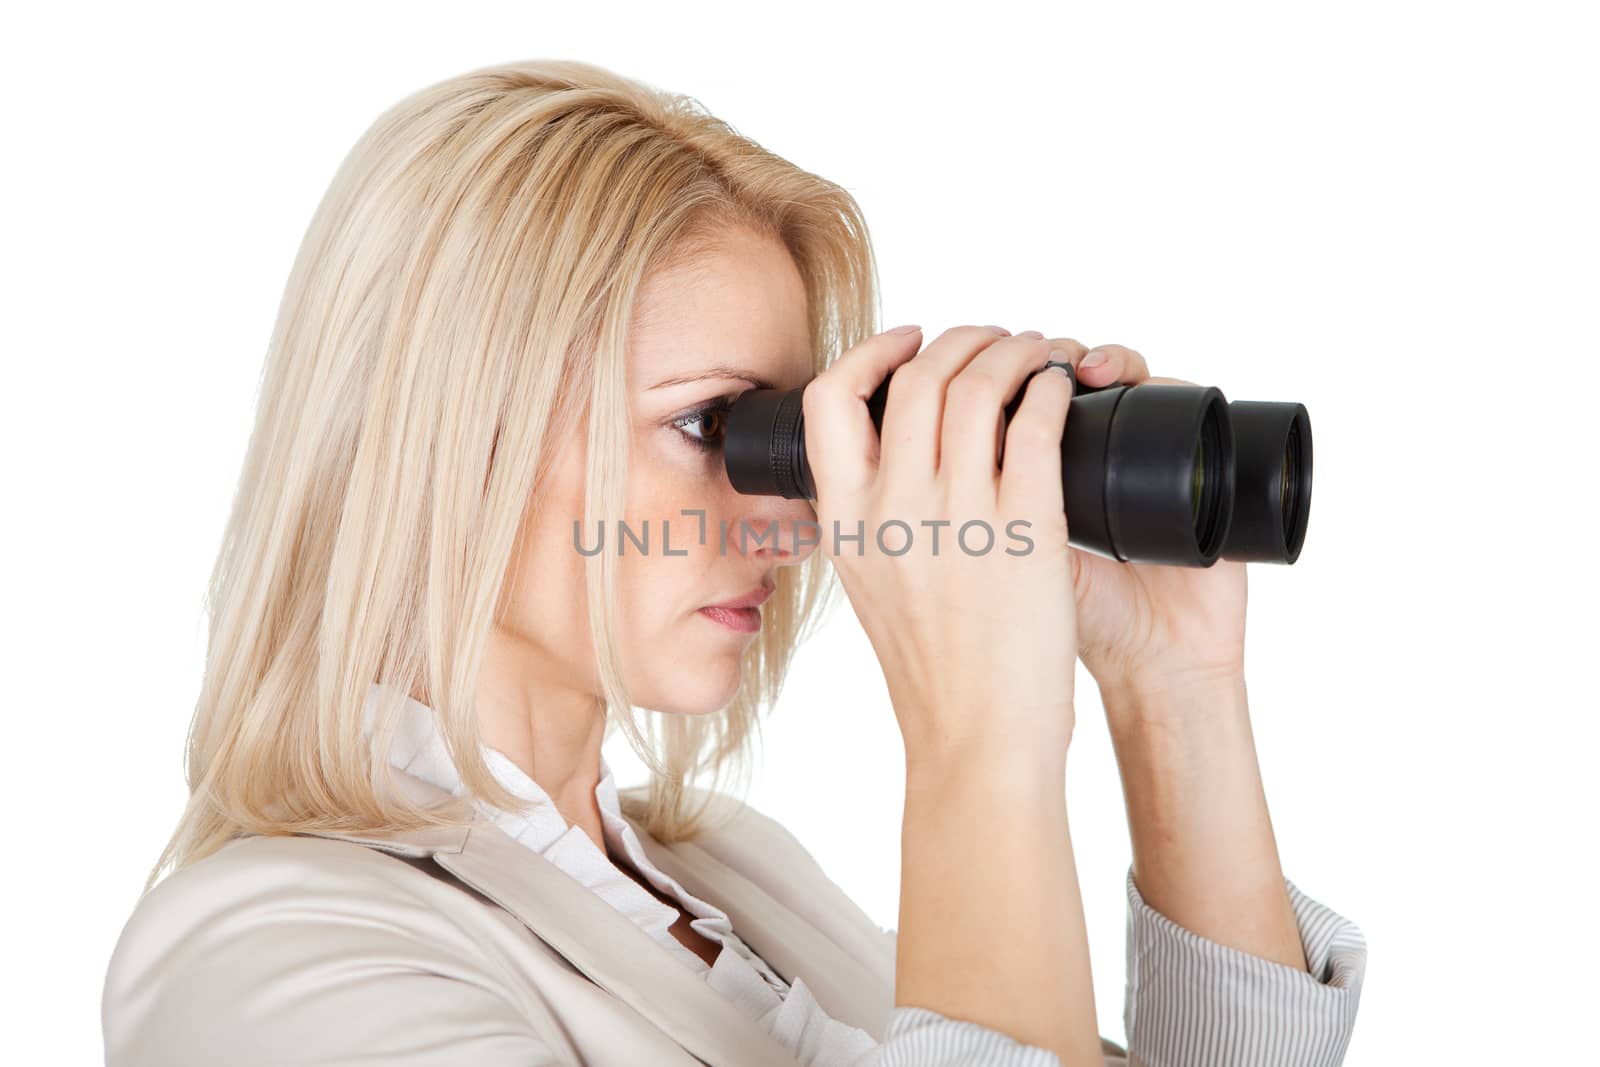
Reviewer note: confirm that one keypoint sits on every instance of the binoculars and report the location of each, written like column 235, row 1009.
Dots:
column 1150, row 473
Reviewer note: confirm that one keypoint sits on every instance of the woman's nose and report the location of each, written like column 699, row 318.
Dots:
column 782, row 531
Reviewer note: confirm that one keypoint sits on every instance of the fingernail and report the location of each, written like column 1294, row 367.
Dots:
column 1031, row 333
column 1001, row 330
column 1093, row 359
column 904, row 329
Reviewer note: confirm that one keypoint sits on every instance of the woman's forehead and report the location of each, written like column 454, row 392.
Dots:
column 740, row 307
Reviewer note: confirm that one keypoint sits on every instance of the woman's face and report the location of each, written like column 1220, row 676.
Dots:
column 737, row 315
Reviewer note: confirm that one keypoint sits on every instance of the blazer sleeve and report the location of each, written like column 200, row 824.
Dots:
column 279, row 961
column 1194, row 1002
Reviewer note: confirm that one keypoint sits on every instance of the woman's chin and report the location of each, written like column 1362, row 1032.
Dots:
column 692, row 685
column 698, row 673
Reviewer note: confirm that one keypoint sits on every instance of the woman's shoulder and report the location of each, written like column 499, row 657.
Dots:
column 252, row 870
column 272, row 948
column 297, row 892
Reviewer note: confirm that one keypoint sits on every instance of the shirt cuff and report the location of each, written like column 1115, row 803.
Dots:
column 1194, row 1002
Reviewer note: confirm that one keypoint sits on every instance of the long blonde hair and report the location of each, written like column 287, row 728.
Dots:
column 463, row 291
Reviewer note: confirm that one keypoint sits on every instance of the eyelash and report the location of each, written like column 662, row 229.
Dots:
column 719, row 406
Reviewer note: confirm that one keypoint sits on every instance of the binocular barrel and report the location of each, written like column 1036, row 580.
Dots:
column 1150, row 473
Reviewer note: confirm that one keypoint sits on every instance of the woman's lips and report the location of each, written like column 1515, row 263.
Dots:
column 744, row 620
column 741, row 613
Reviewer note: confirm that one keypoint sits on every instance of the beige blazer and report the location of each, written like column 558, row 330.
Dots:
column 465, row 947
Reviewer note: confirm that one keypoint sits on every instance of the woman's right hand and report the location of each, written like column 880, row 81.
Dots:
column 977, row 631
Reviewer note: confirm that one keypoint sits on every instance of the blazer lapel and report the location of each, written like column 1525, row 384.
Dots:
column 845, row 989
column 612, row 950
column 594, row 937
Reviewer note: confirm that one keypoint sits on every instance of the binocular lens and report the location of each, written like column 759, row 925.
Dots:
column 1291, row 462
column 1210, row 484
column 1197, row 482
column 1273, row 448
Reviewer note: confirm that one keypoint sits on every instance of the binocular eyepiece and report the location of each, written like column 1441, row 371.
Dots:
column 1150, row 473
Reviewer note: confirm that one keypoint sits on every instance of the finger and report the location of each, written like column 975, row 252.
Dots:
column 841, row 444
column 1030, row 481
column 1117, row 363
column 971, row 432
column 915, row 408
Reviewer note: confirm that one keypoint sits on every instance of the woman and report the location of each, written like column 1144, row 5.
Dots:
column 518, row 316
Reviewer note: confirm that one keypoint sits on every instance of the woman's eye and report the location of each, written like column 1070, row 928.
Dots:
column 704, row 428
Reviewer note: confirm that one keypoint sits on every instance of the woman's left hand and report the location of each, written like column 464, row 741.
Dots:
column 1147, row 628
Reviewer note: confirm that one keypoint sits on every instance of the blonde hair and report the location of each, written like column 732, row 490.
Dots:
column 463, row 291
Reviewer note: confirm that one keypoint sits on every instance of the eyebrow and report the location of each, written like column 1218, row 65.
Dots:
column 712, row 373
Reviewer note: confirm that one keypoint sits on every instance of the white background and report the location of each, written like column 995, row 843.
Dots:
column 1386, row 211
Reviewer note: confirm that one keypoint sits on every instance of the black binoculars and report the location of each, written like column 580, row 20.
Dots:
column 1150, row 473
